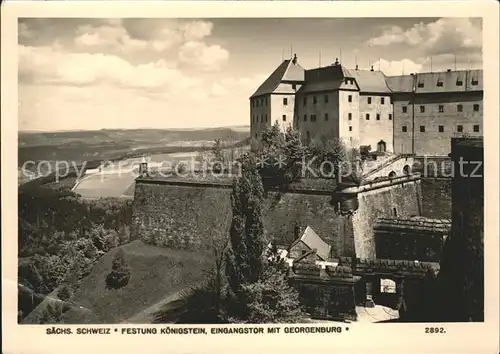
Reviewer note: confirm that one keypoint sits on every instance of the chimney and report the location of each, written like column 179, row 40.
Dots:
column 336, row 61
column 294, row 61
column 371, row 68
column 356, row 66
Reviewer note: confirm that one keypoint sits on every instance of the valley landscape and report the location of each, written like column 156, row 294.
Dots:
column 70, row 228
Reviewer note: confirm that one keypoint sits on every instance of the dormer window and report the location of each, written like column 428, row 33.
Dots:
column 474, row 82
column 460, row 82
column 439, row 83
column 420, row 84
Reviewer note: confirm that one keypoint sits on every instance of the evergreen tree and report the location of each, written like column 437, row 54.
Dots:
column 294, row 153
column 272, row 299
column 120, row 273
column 218, row 155
column 245, row 257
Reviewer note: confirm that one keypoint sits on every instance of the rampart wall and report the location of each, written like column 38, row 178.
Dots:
column 188, row 215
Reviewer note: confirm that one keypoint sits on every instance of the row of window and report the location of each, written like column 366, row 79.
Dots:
column 460, row 108
column 256, row 102
column 377, row 116
column 460, row 128
column 263, row 118
column 312, row 117
column 439, row 83
column 263, row 102
column 349, row 99
column 349, row 116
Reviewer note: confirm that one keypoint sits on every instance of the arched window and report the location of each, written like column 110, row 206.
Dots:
column 392, row 174
column 381, row 146
column 407, row 170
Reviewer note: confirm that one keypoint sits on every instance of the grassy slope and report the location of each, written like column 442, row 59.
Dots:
column 156, row 273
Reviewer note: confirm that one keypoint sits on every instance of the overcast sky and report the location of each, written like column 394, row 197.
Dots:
column 154, row 73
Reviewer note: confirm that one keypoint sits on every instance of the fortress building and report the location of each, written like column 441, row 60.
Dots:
column 274, row 100
column 409, row 114
column 431, row 108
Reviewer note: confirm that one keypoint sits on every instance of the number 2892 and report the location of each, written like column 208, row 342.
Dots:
column 435, row 330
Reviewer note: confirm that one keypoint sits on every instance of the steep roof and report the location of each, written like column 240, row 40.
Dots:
column 327, row 78
column 369, row 81
column 331, row 78
column 402, row 83
column 286, row 71
column 314, row 242
column 319, row 86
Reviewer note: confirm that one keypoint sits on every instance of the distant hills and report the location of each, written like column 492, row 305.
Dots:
column 108, row 144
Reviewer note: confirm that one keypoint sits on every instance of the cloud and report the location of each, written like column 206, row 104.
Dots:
column 132, row 34
column 106, row 38
column 198, row 54
column 446, row 35
column 48, row 65
column 241, row 87
column 398, row 67
column 136, row 40
column 425, row 64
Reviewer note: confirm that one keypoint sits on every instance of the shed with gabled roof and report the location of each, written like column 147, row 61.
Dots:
column 308, row 242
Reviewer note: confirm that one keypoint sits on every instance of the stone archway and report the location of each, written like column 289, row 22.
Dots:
column 381, row 146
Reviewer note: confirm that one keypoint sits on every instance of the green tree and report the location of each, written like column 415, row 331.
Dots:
column 364, row 151
column 120, row 272
column 52, row 313
column 271, row 299
column 283, row 154
column 329, row 156
column 64, row 293
column 218, row 155
column 259, row 289
column 245, row 257
column 294, row 153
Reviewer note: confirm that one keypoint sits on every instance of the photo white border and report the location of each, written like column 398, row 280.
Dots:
column 396, row 338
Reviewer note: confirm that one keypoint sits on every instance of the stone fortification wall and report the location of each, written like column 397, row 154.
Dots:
column 187, row 215
column 397, row 200
column 183, row 215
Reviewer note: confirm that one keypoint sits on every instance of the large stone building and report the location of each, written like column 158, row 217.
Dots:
column 408, row 114
column 274, row 100
column 431, row 108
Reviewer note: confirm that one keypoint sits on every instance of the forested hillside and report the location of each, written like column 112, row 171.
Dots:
column 62, row 236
